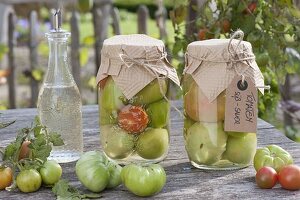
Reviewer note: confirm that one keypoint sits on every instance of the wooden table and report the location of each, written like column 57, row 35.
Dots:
column 183, row 181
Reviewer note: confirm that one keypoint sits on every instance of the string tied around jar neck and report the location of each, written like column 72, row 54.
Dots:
column 152, row 69
column 239, row 34
column 233, row 58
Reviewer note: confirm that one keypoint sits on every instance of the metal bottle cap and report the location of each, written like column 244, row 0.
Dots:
column 57, row 20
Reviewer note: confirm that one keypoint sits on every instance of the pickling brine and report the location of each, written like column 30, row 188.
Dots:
column 133, row 83
column 211, row 65
column 135, row 129
column 207, row 144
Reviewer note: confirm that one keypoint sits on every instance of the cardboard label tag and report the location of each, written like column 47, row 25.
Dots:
column 241, row 106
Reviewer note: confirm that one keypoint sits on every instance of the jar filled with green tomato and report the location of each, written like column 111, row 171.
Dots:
column 133, row 83
column 211, row 66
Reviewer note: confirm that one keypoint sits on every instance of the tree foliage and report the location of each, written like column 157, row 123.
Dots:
column 272, row 27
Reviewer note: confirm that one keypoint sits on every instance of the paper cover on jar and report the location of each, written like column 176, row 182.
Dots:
column 134, row 61
column 213, row 66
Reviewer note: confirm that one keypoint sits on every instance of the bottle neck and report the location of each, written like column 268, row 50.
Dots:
column 58, row 73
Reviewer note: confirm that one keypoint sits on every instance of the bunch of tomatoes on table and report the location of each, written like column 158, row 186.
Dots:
column 25, row 166
column 273, row 164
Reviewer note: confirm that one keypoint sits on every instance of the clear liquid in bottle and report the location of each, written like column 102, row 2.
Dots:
column 59, row 101
column 60, row 110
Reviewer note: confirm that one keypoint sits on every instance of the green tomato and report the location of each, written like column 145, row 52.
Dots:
column 241, row 150
column 116, row 142
column 159, row 113
column 29, row 180
column 107, row 117
column 272, row 156
column 143, row 180
column 92, row 172
column 153, row 143
column 111, row 96
column 51, row 172
column 115, row 174
column 237, row 134
column 150, row 93
column 187, row 124
column 198, row 107
column 205, row 142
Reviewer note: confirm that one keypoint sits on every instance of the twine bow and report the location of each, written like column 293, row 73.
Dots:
column 233, row 55
column 152, row 69
column 233, row 59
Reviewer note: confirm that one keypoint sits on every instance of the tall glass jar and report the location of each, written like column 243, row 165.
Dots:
column 59, row 100
column 207, row 71
column 134, row 126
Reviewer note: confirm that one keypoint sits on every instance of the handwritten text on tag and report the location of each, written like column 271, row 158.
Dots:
column 241, row 106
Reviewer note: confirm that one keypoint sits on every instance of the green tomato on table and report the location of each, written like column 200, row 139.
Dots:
column 96, row 172
column 143, row 180
column 51, row 172
column 273, row 156
column 29, row 180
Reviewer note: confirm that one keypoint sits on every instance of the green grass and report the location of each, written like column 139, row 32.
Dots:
column 128, row 25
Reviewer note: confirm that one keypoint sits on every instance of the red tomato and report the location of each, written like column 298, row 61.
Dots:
column 289, row 177
column 250, row 9
column 25, row 150
column 102, row 83
column 225, row 25
column 202, row 34
column 266, row 177
column 6, row 177
column 133, row 119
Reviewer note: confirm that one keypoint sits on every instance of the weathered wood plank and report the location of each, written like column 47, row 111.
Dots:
column 116, row 21
column 143, row 15
column 75, row 48
column 33, row 47
column 101, row 14
column 161, row 16
column 184, row 181
column 11, row 61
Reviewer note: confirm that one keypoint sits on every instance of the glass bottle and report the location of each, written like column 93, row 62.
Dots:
column 59, row 100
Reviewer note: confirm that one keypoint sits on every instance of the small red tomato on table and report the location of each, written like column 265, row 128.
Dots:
column 6, row 177
column 289, row 177
column 266, row 177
